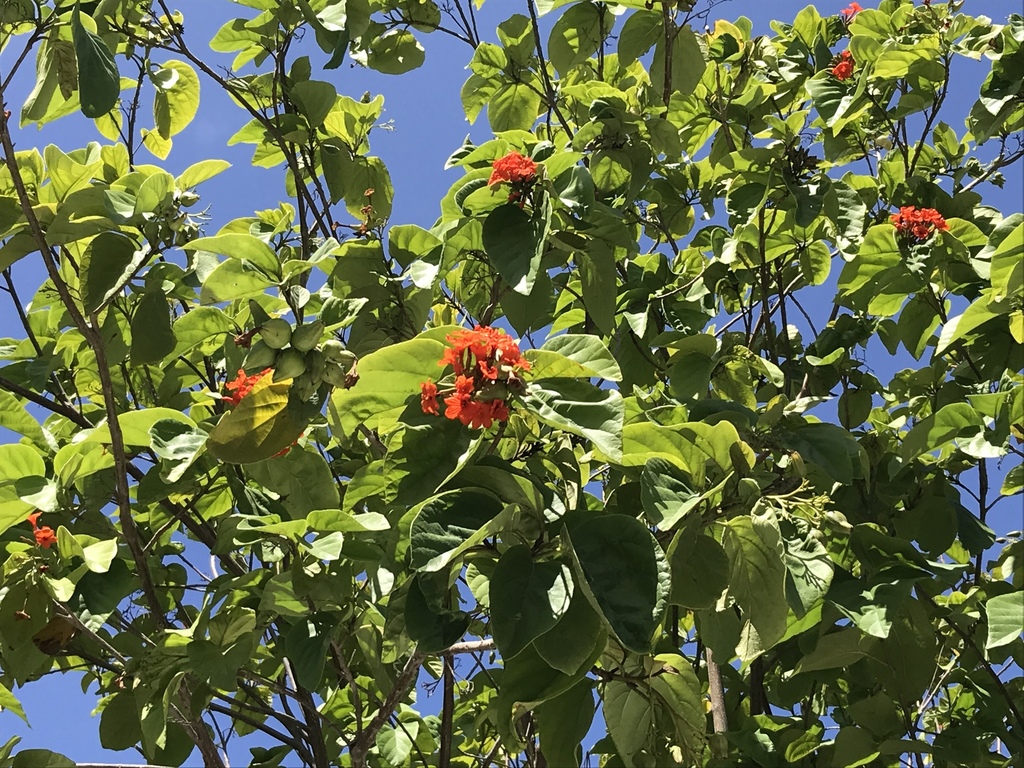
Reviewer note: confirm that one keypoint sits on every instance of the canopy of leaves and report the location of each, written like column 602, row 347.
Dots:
column 731, row 488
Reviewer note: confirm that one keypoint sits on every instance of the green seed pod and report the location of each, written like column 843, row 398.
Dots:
column 333, row 350
column 305, row 337
column 260, row 356
column 290, row 364
column 304, row 386
column 315, row 364
column 276, row 332
column 334, row 374
column 259, row 314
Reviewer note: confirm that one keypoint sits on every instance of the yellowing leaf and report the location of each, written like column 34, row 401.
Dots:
column 258, row 427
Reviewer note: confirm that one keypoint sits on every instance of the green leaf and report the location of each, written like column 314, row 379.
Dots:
column 688, row 63
column 666, row 493
column 1008, row 266
column 41, row 758
column 630, row 717
column 564, row 721
column 98, row 80
column 178, row 445
column 626, row 574
column 152, row 336
column 680, row 690
column 580, row 408
column 571, row 355
column 527, row 599
column 935, row 431
column 576, row 35
column 199, row 172
column 836, row 650
column 600, row 284
column 449, row 524
column 432, row 630
column 306, row 643
column 106, row 267
column 16, row 418
column 236, row 245
column 394, row 53
column 757, row 574
column 264, row 423
column 1005, row 615
column 700, row 569
column 119, row 723
column 514, row 242
column 568, row 645
column 638, row 35
column 135, row 426
column 21, row 468
column 10, row 702
column 514, row 106
column 829, row 446
column 314, row 99
column 302, row 478
column 176, row 101
column 528, row 681
column 389, row 382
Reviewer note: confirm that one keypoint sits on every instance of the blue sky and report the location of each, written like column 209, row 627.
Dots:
column 424, row 124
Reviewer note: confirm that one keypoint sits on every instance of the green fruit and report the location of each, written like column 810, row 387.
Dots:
column 315, row 364
column 259, row 314
column 276, row 332
column 305, row 337
column 335, row 374
column 333, row 350
column 290, row 364
column 304, row 386
column 260, row 356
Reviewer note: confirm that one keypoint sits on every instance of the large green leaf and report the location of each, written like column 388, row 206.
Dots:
column 757, row 574
column 449, row 524
column 942, row 427
column 1005, row 615
column 563, row 723
column 666, row 493
column 580, row 408
column 264, row 423
column 573, row 355
column 389, row 381
column 152, row 336
column 626, row 574
column 107, row 266
column 236, row 245
column 98, row 80
column 630, row 716
column 700, row 569
column 514, row 242
column 570, row 642
column 527, row 599
column 22, row 472
column 681, row 691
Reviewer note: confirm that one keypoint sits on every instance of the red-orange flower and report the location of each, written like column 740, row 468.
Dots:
column 513, row 168
column 428, row 397
column 851, row 10
column 486, row 362
column 44, row 535
column 242, row 385
column 843, row 70
column 918, row 223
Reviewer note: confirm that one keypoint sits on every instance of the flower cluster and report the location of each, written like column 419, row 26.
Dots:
column 486, row 362
column 918, row 223
column 851, row 10
column 45, row 537
column 242, row 385
column 517, row 170
column 843, row 69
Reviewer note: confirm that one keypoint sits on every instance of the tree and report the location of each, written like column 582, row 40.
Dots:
column 563, row 447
